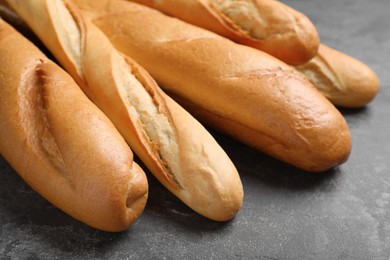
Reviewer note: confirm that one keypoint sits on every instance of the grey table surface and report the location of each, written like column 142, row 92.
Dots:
column 287, row 213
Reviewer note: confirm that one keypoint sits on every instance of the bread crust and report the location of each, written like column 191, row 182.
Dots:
column 171, row 143
column 260, row 100
column 61, row 144
column 284, row 32
column 344, row 80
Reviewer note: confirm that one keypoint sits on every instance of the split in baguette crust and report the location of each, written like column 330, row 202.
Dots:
column 267, row 25
column 344, row 80
column 171, row 143
column 261, row 101
column 244, row 14
column 61, row 144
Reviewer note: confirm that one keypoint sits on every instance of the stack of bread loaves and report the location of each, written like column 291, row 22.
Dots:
column 170, row 142
column 236, row 89
column 284, row 33
column 251, row 78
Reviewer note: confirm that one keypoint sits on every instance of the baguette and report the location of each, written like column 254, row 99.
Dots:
column 267, row 25
column 61, row 144
column 344, row 80
column 179, row 151
column 236, row 89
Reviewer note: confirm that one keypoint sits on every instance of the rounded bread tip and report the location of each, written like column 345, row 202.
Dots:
column 334, row 152
column 344, row 80
column 138, row 191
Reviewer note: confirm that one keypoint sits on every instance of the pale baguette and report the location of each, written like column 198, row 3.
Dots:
column 267, row 25
column 344, row 80
column 238, row 90
column 171, row 143
column 61, row 144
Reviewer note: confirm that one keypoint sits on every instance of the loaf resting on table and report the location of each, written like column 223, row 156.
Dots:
column 236, row 89
column 61, row 144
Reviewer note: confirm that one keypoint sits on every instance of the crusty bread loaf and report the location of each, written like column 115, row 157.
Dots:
column 171, row 143
column 61, row 144
column 286, row 34
column 267, row 25
column 344, row 80
column 238, row 90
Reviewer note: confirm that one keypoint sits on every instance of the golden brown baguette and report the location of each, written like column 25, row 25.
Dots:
column 171, row 143
column 61, row 144
column 267, row 25
column 344, row 80
column 238, row 90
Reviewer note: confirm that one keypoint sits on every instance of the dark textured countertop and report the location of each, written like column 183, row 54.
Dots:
column 287, row 213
